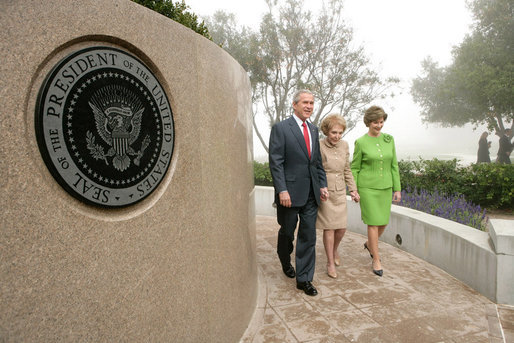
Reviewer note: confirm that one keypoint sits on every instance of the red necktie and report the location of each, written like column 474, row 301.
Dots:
column 306, row 137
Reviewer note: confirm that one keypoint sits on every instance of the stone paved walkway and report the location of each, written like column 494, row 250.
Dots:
column 413, row 302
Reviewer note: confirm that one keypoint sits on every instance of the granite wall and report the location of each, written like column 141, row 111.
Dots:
column 179, row 265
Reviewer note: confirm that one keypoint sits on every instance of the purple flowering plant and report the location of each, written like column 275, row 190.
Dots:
column 454, row 207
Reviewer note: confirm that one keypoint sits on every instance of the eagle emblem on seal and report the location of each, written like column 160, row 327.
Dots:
column 117, row 113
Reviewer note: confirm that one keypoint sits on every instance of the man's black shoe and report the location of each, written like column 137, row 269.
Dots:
column 289, row 271
column 307, row 287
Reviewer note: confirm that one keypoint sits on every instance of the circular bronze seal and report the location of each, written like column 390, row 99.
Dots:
column 104, row 127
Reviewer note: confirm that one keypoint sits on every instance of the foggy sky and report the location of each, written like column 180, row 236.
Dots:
column 397, row 35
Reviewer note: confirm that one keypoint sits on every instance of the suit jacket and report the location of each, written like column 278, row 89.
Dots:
column 374, row 163
column 290, row 166
column 336, row 162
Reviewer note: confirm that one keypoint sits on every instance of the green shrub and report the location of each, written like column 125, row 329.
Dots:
column 489, row 185
column 262, row 174
column 430, row 175
column 179, row 12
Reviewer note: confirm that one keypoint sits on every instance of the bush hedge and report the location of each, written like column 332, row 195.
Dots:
column 262, row 174
column 490, row 185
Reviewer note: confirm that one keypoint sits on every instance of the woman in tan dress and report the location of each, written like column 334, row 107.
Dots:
column 332, row 214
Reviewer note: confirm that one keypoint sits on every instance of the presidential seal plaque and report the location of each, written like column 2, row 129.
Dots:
column 104, row 127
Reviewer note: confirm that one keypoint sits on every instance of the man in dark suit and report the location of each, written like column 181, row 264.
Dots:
column 505, row 147
column 300, row 183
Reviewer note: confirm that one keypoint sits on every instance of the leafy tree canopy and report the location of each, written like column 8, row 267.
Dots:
column 177, row 11
column 293, row 49
column 478, row 87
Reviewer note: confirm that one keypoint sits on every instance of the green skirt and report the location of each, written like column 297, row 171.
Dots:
column 375, row 205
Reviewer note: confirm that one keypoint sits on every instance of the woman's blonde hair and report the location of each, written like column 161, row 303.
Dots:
column 330, row 121
column 374, row 113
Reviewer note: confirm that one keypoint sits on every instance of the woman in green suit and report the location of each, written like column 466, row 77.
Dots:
column 375, row 170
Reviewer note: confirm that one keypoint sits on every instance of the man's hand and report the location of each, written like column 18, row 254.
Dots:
column 323, row 194
column 285, row 199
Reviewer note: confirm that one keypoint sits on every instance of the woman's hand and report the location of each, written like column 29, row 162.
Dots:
column 397, row 196
column 324, row 194
column 355, row 196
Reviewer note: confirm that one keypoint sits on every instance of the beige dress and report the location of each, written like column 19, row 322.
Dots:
column 332, row 214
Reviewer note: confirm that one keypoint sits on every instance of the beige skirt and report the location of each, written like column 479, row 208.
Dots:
column 332, row 214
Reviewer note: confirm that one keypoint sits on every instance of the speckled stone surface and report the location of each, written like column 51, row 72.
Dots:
column 178, row 266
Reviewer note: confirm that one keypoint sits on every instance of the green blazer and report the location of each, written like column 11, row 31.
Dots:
column 374, row 163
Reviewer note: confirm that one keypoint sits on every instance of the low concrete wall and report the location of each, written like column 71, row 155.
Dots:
column 482, row 260
column 264, row 199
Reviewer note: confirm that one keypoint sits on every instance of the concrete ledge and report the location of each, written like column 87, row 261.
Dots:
column 502, row 237
column 502, row 234
column 465, row 253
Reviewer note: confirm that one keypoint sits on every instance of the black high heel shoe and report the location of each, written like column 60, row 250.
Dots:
column 366, row 247
column 378, row 272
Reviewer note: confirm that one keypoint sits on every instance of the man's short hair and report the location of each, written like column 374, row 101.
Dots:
column 296, row 96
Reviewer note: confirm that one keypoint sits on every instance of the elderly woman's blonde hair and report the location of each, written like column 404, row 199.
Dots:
column 374, row 113
column 330, row 121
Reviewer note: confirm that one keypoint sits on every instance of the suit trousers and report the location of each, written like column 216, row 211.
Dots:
column 306, row 238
